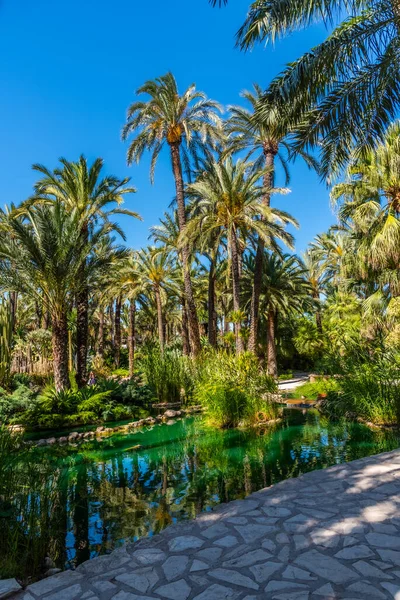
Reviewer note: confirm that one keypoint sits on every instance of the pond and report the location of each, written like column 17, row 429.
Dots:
column 107, row 492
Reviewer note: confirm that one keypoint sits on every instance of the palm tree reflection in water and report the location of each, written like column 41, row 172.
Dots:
column 111, row 493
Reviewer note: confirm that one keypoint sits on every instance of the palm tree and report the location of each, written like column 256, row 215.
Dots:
column 154, row 268
column 82, row 189
column 186, row 123
column 230, row 198
column 127, row 285
column 269, row 138
column 316, row 276
column 370, row 199
column 44, row 255
column 348, row 87
column 167, row 234
column 284, row 291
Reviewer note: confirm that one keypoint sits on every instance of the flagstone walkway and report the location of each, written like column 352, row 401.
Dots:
column 328, row 534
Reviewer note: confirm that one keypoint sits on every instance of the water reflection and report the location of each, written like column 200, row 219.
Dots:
column 106, row 492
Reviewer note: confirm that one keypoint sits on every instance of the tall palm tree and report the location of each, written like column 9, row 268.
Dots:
column 284, row 291
column 348, row 87
column 81, row 188
column 44, row 255
column 154, row 268
column 230, row 197
column 269, row 138
column 186, row 123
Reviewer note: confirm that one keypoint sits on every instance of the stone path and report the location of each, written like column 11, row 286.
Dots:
column 328, row 534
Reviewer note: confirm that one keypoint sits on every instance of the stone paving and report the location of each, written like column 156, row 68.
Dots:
column 328, row 534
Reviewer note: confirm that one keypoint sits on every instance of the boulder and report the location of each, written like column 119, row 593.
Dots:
column 62, row 440
column 170, row 414
column 51, row 441
column 41, row 442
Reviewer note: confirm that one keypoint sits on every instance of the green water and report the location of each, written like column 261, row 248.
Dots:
column 107, row 493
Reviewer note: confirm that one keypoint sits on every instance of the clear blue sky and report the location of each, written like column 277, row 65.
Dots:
column 68, row 71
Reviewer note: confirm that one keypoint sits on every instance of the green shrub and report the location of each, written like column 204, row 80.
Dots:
column 369, row 389
column 233, row 389
column 229, row 405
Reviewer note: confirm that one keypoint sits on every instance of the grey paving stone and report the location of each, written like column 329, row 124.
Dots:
column 142, row 580
column 269, row 545
column 217, row 530
column 349, row 541
column 252, row 532
column 282, row 538
column 366, row 589
column 72, row 592
column 211, row 554
column 174, row 566
column 198, row 565
column 250, row 558
column 354, row 552
column 389, row 555
column 292, row 572
column 292, row 596
column 177, row 590
column 8, row 587
column 368, row 570
column 276, row 585
column 276, row 511
column 105, row 586
column 326, row 591
column 123, row 595
column 40, row 588
column 265, row 571
column 325, row 566
column 217, row 592
column 149, row 556
column 233, row 577
column 392, row 588
column 185, row 542
column 383, row 540
column 227, row 542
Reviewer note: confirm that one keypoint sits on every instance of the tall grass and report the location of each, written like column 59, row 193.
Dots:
column 233, row 389
column 168, row 374
column 369, row 389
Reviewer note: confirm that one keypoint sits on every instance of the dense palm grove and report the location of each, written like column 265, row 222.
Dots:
column 218, row 306
column 219, row 275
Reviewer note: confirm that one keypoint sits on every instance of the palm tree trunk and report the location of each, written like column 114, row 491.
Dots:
column 100, row 333
column 82, row 309
column 131, row 337
column 185, row 329
column 236, row 287
column 60, row 351
column 193, row 321
column 318, row 318
column 272, row 366
column 117, row 330
column 212, row 317
column 70, row 355
column 270, row 152
column 159, row 317
column 13, row 309
column 112, row 323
